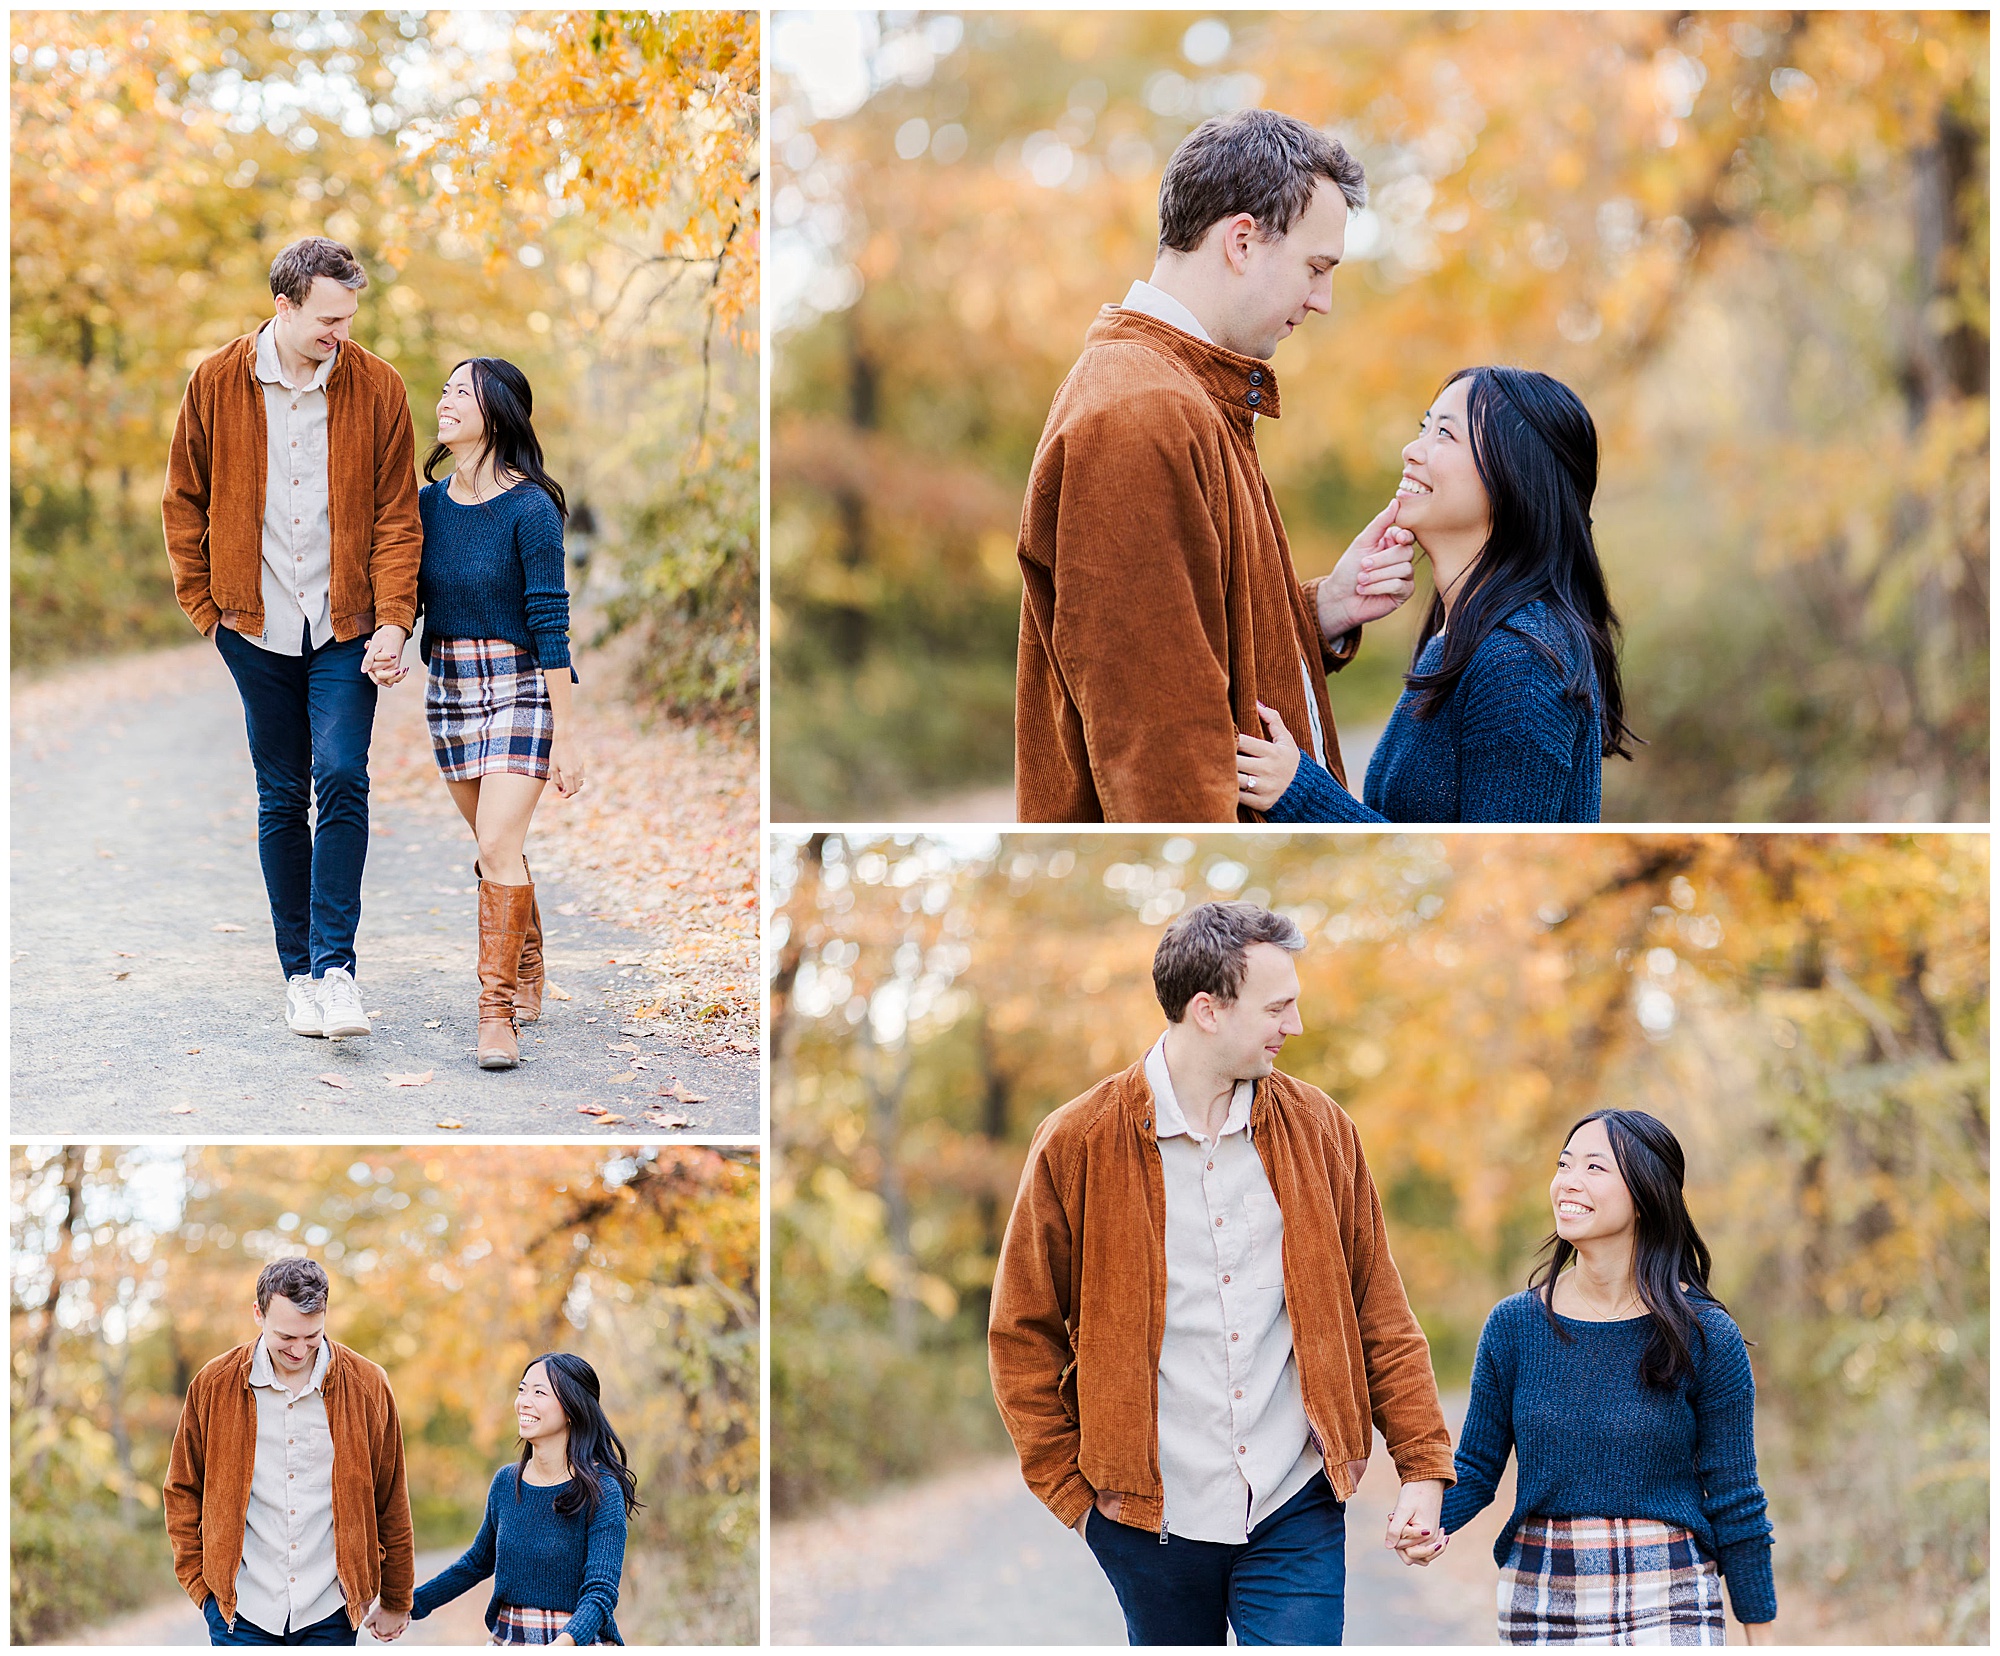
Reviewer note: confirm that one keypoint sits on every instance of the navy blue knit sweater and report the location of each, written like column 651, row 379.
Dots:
column 1510, row 745
column 541, row 1560
column 494, row 570
column 1593, row 1440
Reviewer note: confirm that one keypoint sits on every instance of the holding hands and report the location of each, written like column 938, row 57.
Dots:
column 1415, row 1530
column 383, row 659
column 386, row 1625
column 1375, row 576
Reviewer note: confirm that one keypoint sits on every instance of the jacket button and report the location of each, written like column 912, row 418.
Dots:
column 1256, row 376
column 1253, row 398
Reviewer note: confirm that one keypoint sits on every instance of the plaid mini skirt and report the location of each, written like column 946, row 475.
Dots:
column 488, row 709
column 524, row 1625
column 1621, row 1581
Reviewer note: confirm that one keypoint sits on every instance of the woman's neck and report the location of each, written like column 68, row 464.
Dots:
column 1452, row 557
column 474, row 471
column 549, row 1460
column 1601, row 1283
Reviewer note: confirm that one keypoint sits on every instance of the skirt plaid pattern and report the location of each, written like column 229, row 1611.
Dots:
column 488, row 709
column 1616, row 1581
column 524, row 1625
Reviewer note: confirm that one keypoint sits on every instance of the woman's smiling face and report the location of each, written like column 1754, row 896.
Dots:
column 536, row 1410
column 458, row 416
column 1588, row 1193
column 1441, row 490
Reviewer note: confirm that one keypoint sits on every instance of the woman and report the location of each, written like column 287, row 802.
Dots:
column 1623, row 1388
column 1513, row 698
column 554, row 1536
column 496, row 639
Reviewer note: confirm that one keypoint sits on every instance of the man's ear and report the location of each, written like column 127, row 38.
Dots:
column 1238, row 231
column 257, row 1311
column 1202, row 1011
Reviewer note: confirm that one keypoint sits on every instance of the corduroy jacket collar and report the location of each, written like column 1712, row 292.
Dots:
column 1242, row 384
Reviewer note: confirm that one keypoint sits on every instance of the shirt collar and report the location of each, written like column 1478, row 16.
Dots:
column 269, row 371
column 1163, row 307
column 1169, row 1120
column 264, row 1373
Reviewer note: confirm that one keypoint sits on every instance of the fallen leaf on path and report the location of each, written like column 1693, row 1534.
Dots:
column 224, row 925
column 120, row 977
column 742, row 1046
column 680, row 1095
column 633, row 1029
column 125, row 954
column 624, row 1046
column 182, row 1109
column 409, row 1080
column 332, row 1080
column 591, row 1109
column 660, row 1118
column 555, row 992
column 451, row 1125
column 620, row 1080
column 433, row 1023
column 606, row 1119
column 191, row 1051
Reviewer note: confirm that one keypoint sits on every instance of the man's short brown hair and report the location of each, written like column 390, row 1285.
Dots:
column 295, row 269
column 299, row 1280
column 1257, row 162
column 1202, row 953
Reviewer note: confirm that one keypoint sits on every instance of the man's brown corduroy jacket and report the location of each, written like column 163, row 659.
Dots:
column 1159, row 602
column 1079, row 1301
column 215, row 1452
column 214, row 501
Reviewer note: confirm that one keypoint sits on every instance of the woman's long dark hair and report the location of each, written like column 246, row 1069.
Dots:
column 1666, row 1249
column 506, row 404
column 594, row 1448
column 1535, row 448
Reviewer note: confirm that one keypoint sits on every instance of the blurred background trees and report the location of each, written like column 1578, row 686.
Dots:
column 1810, row 1015
column 1755, row 242
column 576, row 192
column 452, row 1267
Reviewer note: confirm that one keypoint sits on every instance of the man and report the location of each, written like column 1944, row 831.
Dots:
column 292, row 528
column 285, row 1499
column 1160, row 604
column 1196, row 1317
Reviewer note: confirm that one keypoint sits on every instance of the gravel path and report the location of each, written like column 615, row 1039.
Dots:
column 146, row 995
column 176, row 1621
column 972, row 1558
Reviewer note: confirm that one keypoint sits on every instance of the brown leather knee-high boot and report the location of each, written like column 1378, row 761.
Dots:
column 528, row 988
column 503, row 926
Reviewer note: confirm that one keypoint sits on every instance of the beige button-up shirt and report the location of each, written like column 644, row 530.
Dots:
column 298, row 542
column 1234, row 1441
column 1162, row 306
column 287, row 1576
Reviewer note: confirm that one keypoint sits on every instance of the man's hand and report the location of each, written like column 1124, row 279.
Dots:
column 1107, row 1503
column 1374, row 577
column 1414, row 1529
column 382, row 661
column 386, row 1625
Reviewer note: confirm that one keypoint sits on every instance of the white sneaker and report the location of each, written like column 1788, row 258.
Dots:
column 340, row 1004
column 302, row 1013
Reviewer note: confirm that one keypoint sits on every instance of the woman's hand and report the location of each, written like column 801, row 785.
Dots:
column 565, row 768
column 1760, row 1633
column 1264, row 770
column 562, row 1638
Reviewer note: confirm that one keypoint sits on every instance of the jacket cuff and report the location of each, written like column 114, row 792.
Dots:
column 1071, row 1500
column 1341, row 651
column 1426, row 1463
column 206, row 617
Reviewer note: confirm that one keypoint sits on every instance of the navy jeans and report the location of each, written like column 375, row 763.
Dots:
column 336, row 1629
column 309, row 719
column 1286, row 1585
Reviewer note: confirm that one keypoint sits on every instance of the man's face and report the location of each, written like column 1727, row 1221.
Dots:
column 1282, row 282
column 292, row 1336
column 1250, row 1032
column 319, row 327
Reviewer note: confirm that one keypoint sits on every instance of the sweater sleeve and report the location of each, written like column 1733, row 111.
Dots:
column 603, row 1565
column 538, row 540
column 1314, row 796
column 1488, row 1437
column 1732, row 1499
column 474, row 1565
column 1517, row 733
column 1028, row 1347
column 1138, row 579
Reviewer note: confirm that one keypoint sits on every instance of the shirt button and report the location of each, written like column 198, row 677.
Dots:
column 1240, row 1449
column 1239, row 1394
column 1236, row 1336
column 1218, row 1224
column 1225, row 1282
column 1211, row 1167
column 294, row 1474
